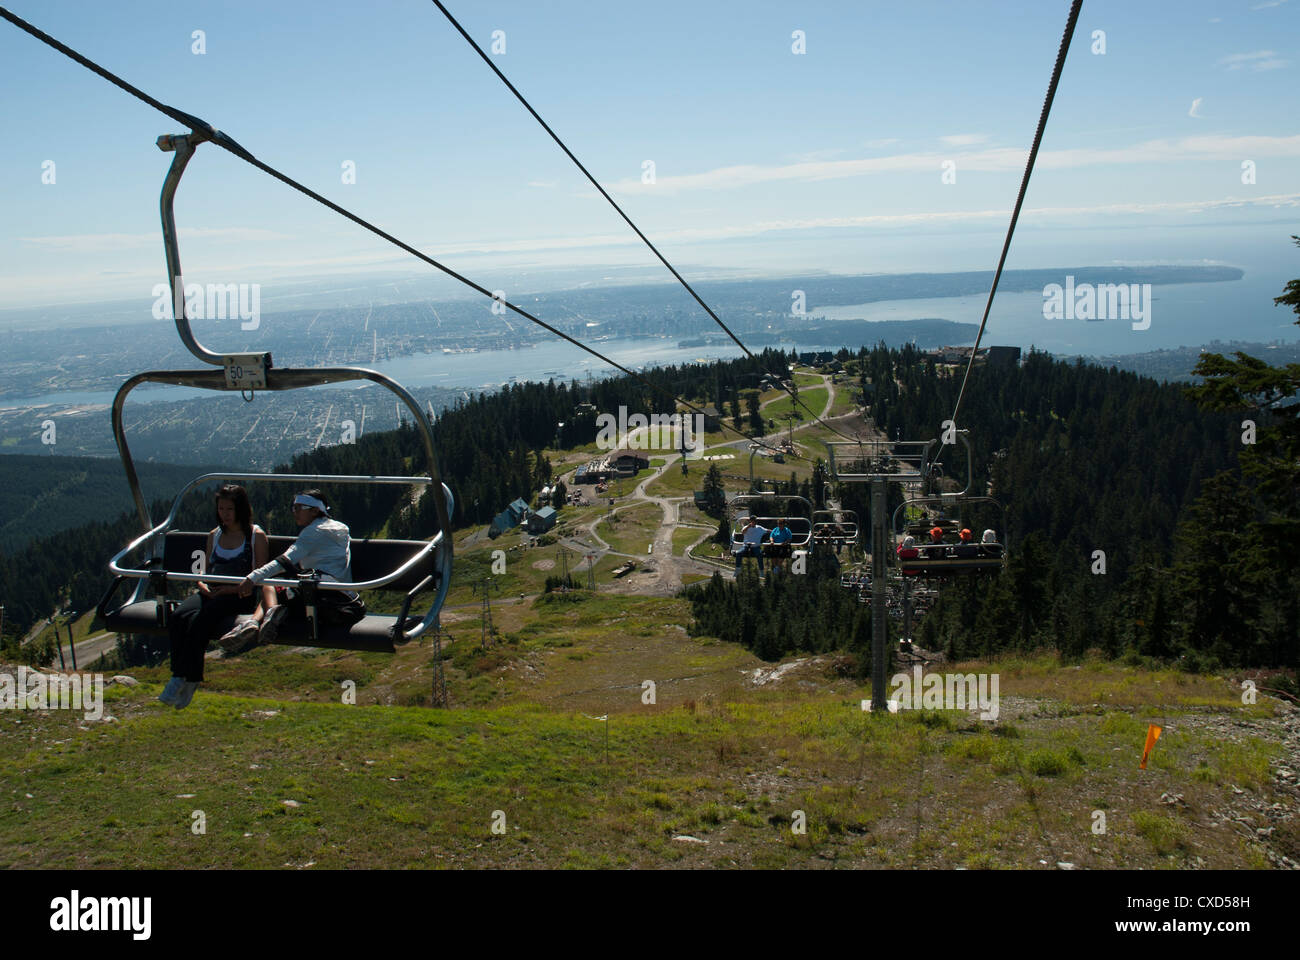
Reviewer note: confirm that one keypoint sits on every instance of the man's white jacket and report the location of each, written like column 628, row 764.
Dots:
column 323, row 545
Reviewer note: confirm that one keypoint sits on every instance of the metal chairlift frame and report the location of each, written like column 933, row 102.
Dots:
column 739, row 507
column 847, row 519
column 247, row 373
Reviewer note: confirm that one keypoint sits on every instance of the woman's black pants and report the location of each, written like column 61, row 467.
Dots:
column 196, row 622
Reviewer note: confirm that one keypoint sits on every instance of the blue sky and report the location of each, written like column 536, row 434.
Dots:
column 766, row 161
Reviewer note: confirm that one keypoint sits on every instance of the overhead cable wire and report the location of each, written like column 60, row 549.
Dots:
column 227, row 143
column 1070, row 22
column 628, row 220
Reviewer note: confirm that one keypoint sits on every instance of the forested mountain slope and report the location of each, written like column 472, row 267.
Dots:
column 41, row 495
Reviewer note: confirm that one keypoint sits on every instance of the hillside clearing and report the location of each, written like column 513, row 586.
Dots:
column 299, row 779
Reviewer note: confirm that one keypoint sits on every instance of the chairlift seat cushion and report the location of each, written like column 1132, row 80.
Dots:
column 371, row 633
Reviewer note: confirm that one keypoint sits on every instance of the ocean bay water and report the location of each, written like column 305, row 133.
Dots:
column 1181, row 315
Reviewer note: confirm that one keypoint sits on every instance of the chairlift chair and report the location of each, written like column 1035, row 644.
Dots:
column 835, row 527
column 948, row 558
column 746, row 504
column 413, row 567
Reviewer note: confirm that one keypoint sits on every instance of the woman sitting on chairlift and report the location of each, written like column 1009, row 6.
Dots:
column 234, row 548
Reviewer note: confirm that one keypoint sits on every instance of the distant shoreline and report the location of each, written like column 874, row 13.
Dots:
column 136, row 310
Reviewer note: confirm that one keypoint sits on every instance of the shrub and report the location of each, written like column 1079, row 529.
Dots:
column 1165, row 833
column 1045, row 763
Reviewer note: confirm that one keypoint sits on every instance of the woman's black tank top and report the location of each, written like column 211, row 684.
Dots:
column 240, row 566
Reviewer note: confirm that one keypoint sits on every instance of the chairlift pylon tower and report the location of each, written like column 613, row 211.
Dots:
column 879, row 463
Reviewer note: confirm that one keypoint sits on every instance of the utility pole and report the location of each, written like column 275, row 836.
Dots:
column 439, row 698
column 563, row 556
column 489, row 631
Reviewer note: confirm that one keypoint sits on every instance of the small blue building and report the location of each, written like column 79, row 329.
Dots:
column 509, row 518
column 542, row 520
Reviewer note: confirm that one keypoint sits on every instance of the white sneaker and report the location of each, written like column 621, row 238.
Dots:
column 243, row 636
column 271, row 624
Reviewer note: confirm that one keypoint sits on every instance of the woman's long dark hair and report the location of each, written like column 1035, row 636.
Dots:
column 243, row 510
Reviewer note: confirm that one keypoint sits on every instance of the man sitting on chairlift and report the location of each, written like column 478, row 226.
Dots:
column 751, row 544
column 936, row 548
column 838, row 536
column 323, row 547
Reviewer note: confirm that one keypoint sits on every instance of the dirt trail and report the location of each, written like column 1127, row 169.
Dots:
column 659, row 573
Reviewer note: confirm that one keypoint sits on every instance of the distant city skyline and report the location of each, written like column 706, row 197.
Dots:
column 1177, row 144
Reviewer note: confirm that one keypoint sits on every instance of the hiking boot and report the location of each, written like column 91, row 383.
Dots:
column 168, row 696
column 186, row 694
column 243, row 636
column 271, row 624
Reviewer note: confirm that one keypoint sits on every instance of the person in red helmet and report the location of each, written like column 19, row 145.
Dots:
column 966, row 548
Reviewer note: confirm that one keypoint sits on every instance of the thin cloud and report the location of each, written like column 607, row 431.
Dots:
column 1267, row 4
column 944, row 217
column 544, row 184
column 34, row 289
column 1196, row 106
column 964, row 139
column 992, row 160
column 1258, row 60
column 814, row 155
column 104, row 242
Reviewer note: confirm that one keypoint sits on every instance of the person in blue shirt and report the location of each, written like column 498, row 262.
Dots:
column 751, row 544
column 781, row 547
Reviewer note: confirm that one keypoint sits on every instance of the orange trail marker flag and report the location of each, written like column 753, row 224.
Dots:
column 1153, row 734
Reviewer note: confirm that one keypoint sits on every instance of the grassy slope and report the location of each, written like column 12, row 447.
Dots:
column 389, row 782
column 811, row 398
column 716, row 758
column 633, row 529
